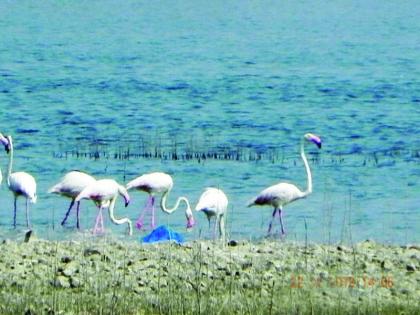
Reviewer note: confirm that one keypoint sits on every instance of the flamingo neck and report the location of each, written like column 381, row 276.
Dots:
column 9, row 169
column 188, row 212
column 164, row 199
column 308, row 170
column 118, row 221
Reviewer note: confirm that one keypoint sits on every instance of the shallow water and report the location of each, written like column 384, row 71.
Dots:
column 250, row 76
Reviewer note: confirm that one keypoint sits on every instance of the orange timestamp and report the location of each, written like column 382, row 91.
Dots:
column 348, row 281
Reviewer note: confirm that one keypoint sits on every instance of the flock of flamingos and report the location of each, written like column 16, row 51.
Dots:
column 78, row 185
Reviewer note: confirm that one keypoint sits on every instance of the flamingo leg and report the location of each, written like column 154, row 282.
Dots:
column 102, row 223
column 99, row 222
column 77, row 214
column 271, row 221
column 222, row 228
column 216, row 221
column 140, row 220
column 153, row 224
column 27, row 213
column 283, row 232
column 67, row 213
column 14, row 213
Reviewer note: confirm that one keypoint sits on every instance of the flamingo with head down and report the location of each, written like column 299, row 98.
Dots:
column 213, row 202
column 104, row 193
column 158, row 183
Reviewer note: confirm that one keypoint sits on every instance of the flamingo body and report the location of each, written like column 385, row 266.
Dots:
column 152, row 183
column 277, row 195
column 70, row 186
column 23, row 184
column 213, row 202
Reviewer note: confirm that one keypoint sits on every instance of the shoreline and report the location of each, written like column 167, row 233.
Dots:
column 268, row 276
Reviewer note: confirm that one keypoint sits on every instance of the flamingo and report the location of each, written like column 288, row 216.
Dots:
column 70, row 186
column 104, row 193
column 213, row 202
column 19, row 183
column 158, row 183
column 281, row 194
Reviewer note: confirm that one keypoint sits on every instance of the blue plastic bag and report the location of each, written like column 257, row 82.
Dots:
column 163, row 234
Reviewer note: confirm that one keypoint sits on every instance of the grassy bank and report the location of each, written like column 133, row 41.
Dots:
column 105, row 276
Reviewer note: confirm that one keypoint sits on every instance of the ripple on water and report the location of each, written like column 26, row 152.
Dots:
column 27, row 131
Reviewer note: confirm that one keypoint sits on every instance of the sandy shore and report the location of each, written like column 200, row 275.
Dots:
column 107, row 276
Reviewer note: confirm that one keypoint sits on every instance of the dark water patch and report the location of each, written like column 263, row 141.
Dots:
column 354, row 149
column 6, row 75
column 255, row 97
column 103, row 85
column 5, row 91
column 386, row 164
column 378, row 96
column 178, row 86
column 329, row 91
column 415, row 100
column 26, row 131
column 23, row 145
column 65, row 112
column 250, row 63
column 72, row 122
column 103, row 120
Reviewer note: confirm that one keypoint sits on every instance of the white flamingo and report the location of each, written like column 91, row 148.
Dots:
column 158, row 183
column 19, row 183
column 213, row 202
column 104, row 193
column 283, row 193
column 70, row 186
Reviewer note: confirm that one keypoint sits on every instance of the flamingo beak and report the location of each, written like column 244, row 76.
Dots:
column 315, row 139
column 127, row 201
column 190, row 223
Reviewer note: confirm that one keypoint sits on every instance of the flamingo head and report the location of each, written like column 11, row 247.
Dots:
column 6, row 142
column 314, row 139
column 190, row 218
column 123, row 192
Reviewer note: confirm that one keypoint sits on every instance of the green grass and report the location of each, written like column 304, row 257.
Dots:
column 203, row 278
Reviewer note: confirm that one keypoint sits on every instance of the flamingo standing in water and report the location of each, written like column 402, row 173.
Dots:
column 158, row 183
column 19, row 183
column 104, row 193
column 213, row 202
column 282, row 194
column 70, row 186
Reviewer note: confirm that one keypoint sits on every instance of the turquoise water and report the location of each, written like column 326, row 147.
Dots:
column 244, row 76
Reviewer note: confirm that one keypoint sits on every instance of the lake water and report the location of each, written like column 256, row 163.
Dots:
column 246, row 78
